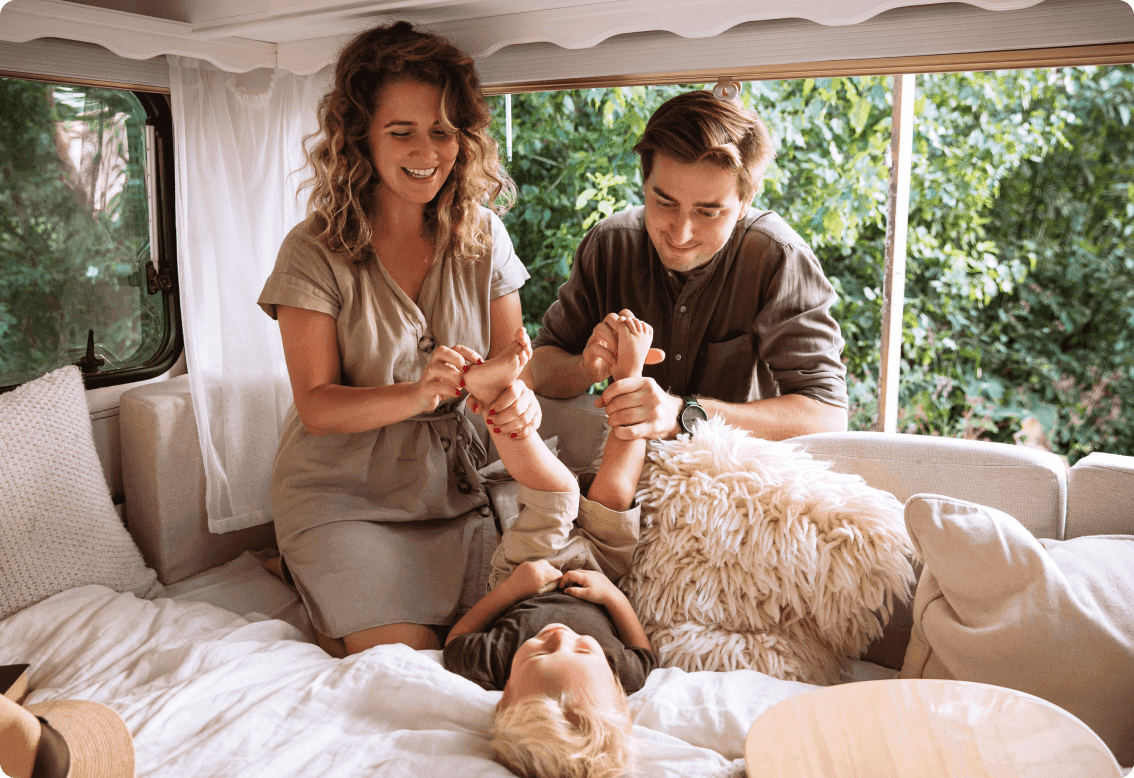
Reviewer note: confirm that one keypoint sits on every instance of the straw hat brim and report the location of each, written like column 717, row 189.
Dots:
column 99, row 742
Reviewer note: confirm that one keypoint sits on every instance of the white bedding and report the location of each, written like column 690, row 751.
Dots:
column 208, row 692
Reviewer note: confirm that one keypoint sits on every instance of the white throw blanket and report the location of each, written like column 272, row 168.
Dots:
column 206, row 692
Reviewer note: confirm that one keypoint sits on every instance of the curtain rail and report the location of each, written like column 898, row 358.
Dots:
column 1067, row 56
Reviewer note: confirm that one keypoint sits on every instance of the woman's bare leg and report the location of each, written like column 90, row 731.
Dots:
column 416, row 636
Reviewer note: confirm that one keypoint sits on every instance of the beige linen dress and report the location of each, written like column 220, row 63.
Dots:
column 389, row 525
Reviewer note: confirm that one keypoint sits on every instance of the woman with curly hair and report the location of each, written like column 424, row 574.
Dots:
column 398, row 279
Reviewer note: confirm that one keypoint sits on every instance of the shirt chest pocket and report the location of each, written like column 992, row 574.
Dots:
column 728, row 369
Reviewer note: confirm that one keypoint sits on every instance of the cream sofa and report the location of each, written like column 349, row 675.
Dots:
column 165, row 510
column 164, row 483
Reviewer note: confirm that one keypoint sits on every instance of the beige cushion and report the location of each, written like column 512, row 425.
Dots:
column 978, row 471
column 579, row 426
column 1050, row 618
column 163, row 478
column 58, row 526
column 1100, row 496
column 1023, row 482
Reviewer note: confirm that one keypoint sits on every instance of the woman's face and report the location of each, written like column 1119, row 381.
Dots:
column 409, row 148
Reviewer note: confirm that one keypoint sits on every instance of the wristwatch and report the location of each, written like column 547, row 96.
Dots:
column 691, row 411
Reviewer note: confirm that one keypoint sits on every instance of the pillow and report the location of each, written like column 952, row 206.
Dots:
column 58, row 526
column 1050, row 618
column 754, row 555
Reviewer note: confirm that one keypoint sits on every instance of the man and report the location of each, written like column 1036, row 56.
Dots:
column 736, row 298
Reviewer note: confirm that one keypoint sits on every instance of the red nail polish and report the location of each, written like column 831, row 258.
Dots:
column 467, row 368
column 480, row 361
column 496, row 430
column 456, row 394
column 513, row 434
column 475, row 407
column 492, row 412
column 462, row 382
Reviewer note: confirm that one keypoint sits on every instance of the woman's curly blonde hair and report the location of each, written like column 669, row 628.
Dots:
column 344, row 181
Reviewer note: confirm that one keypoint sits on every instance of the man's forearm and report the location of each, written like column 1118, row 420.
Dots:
column 778, row 418
column 556, row 373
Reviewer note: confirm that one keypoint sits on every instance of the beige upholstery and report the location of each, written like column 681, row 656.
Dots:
column 164, row 481
column 1100, row 496
column 579, row 425
column 1050, row 618
column 1027, row 484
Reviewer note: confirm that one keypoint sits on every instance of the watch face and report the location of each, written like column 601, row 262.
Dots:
column 690, row 414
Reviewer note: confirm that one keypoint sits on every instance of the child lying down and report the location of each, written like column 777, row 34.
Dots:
column 554, row 633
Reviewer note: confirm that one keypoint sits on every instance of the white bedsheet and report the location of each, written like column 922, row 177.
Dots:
column 207, row 692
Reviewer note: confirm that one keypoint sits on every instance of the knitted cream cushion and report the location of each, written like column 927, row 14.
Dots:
column 756, row 556
column 58, row 526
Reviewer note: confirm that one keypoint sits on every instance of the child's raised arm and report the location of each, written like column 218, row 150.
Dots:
column 617, row 479
column 528, row 460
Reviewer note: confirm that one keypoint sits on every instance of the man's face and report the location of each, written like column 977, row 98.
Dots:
column 690, row 211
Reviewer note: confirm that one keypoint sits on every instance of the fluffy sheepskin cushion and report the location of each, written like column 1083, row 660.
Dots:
column 755, row 555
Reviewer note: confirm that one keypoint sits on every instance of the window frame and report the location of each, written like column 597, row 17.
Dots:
column 159, row 116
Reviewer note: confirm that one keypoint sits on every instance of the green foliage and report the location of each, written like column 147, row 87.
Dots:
column 1020, row 268
column 71, row 250
column 573, row 164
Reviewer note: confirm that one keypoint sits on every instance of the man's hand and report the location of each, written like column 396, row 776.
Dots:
column 638, row 408
column 531, row 578
column 601, row 351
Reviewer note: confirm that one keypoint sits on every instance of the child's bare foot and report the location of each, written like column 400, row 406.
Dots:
column 634, row 339
column 487, row 380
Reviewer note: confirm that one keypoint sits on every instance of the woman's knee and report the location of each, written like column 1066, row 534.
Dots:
column 416, row 636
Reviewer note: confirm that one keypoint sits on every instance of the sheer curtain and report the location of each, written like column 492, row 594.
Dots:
column 239, row 165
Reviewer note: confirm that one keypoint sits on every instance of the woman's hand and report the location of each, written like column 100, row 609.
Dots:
column 442, row 377
column 515, row 412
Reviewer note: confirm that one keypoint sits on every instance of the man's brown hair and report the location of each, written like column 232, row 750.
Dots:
column 695, row 126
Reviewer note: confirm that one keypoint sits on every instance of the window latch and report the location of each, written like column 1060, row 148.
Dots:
column 90, row 364
column 158, row 281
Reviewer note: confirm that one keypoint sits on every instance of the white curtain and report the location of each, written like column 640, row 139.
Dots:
column 239, row 163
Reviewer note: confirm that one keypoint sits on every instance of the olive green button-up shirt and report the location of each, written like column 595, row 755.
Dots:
column 753, row 323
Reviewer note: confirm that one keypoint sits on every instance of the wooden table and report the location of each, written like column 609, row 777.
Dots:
column 905, row 728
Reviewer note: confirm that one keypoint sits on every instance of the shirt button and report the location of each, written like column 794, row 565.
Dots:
column 677, row 358
column 683, row 309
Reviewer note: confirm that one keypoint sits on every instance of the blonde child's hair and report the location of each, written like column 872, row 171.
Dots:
column 565, row 737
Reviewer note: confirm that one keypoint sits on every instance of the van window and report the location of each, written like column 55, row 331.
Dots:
column 1020, row 258
column 85, row 229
